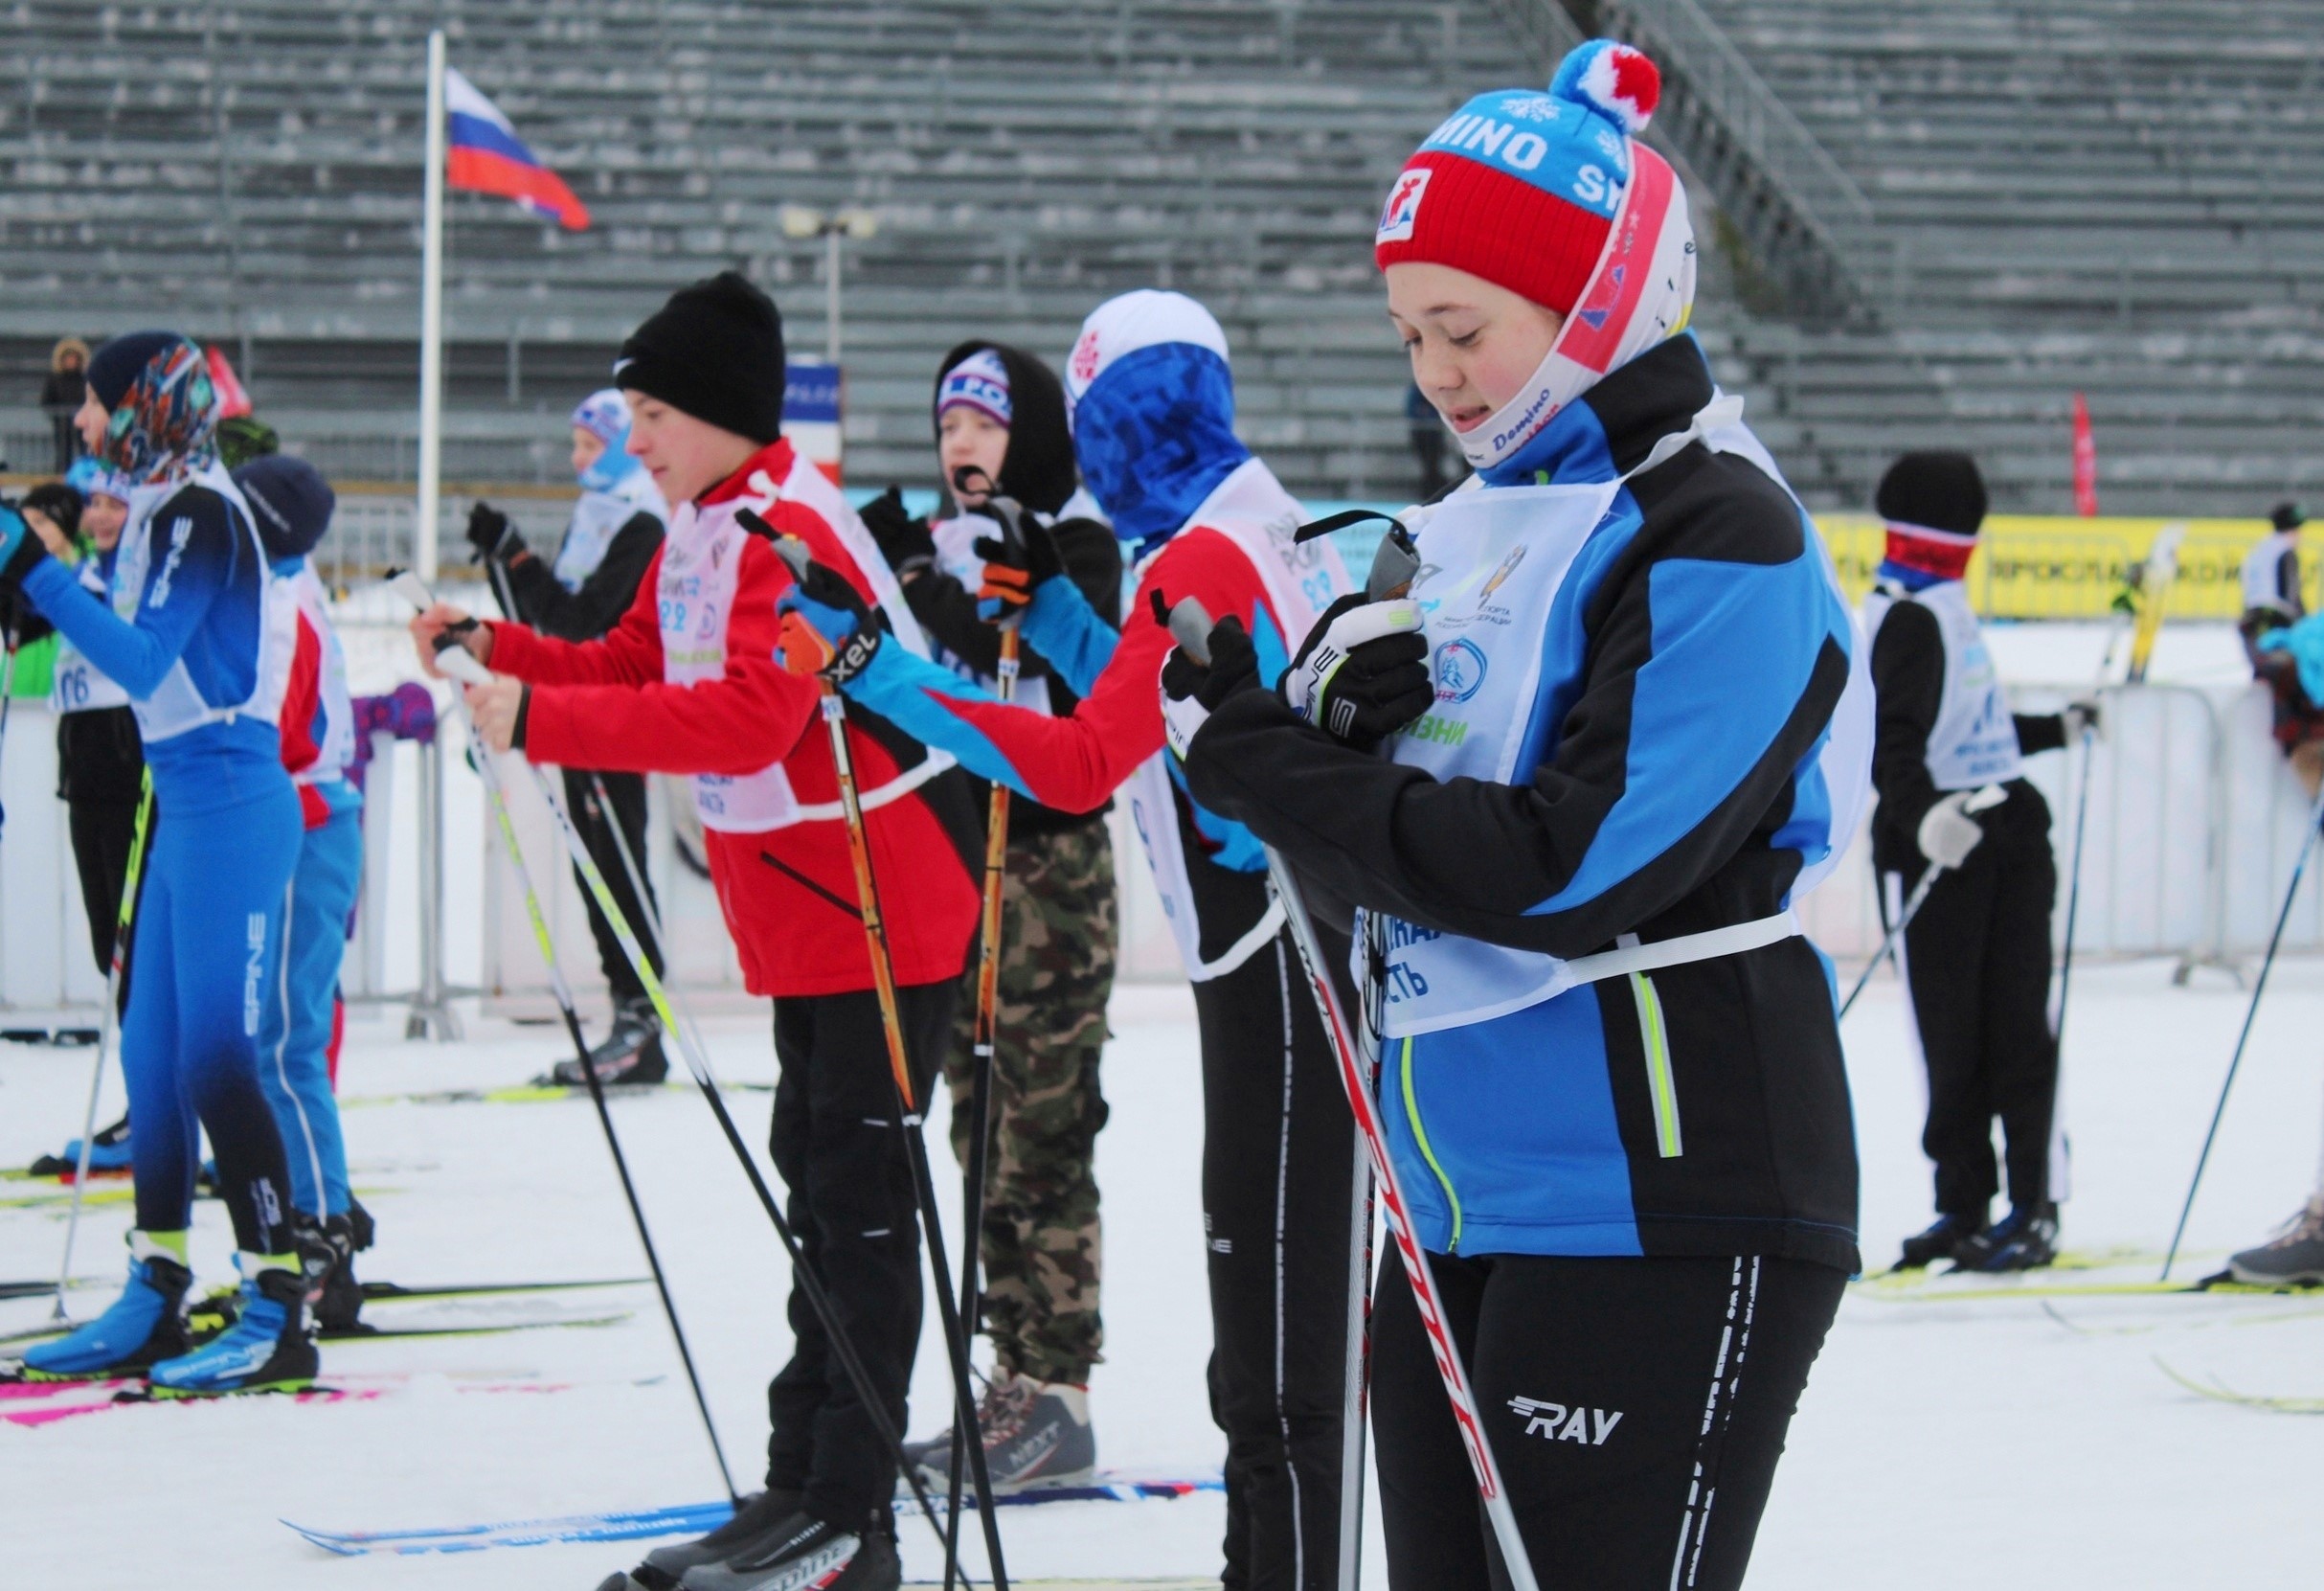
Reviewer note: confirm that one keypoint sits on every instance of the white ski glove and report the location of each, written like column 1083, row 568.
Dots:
column 1948, row 833
column 2082, row 716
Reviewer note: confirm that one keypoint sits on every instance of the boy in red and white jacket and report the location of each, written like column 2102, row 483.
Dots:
column 688, row 682
column 300, row 1023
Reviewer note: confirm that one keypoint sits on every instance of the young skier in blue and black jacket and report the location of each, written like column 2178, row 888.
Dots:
column 198, row 630
column 1626, row 729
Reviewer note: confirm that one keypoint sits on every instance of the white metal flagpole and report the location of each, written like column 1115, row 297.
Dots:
column 431, row 325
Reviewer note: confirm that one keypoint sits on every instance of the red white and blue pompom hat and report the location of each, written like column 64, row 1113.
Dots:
column 1550, row 195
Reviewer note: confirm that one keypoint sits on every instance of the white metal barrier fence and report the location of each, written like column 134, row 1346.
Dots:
column 2194, row 821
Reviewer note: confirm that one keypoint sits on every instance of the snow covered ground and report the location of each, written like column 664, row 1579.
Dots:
column 1940, row 1444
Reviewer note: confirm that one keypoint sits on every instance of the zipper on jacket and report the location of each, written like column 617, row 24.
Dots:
column 1655, row 1039
column 1420, row 1136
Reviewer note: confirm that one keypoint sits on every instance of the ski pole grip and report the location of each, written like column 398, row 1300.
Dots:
column 1190, row 628
column 411, row 588
column 458, row 663
column 1986, row 799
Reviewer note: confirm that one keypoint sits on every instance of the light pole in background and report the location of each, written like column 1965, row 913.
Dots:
column 801, row 222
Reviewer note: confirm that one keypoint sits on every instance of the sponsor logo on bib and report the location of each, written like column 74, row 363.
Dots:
column 1460, row 670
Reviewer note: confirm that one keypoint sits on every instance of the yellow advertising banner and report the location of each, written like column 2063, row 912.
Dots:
column 2054, row 566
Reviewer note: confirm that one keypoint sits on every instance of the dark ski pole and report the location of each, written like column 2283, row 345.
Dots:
column 1991, row 796
column 563, row 994
column 8, row 694
column 916, row 1149
column 462, row 667
column 2073, row 887
column 985, row 1032
column 2259, row 986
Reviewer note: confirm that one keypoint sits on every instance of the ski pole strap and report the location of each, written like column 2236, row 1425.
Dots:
column 1630, row 956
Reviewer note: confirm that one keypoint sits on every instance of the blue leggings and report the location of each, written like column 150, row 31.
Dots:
column 208, row 934
column 295, row 1036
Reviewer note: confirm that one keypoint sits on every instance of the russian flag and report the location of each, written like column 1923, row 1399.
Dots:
column 488, row 157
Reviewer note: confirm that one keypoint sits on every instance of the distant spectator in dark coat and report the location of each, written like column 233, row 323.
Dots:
column 60, row 394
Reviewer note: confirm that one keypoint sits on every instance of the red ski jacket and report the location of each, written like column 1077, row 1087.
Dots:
column 707, row 697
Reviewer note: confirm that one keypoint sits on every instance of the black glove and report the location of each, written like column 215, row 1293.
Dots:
column 1015, row 566
column 491, row 535
column 1363, row 672
column 827, row 627
column 20, row 548
column 903, row 540
column 1191, row 690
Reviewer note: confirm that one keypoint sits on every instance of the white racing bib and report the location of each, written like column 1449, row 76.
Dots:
column 1492, row 564
column 177, row 705
column 1250, row 509
column 77, row 685
column 695, row 602
column 1975, row 740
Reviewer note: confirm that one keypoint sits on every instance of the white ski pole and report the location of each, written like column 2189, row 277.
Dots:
column 1987, row 798
column 107, row 1027
column 1190, row 628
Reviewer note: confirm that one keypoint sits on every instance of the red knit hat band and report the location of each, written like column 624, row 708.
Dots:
column 1467, row 216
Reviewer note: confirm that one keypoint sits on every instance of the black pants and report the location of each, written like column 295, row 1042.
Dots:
column 102, row 833
column 1278, row 1159
column 1977, row 969
column 626, row 792
column 838, row 1149
column 1635, row 1408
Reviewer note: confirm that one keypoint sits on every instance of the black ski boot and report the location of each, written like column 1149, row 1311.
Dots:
column 807, row 1554
column 2024, row 1239
column 337, row 1303
column 2294, row 1258
column 631, row 1054
column 1941, row 1241
column 757, row 1517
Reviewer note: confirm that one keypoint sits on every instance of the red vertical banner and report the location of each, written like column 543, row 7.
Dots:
column 2086, row 462
column 233, row 400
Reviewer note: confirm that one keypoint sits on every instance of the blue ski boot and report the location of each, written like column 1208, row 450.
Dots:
column 109, row 1155
column 265, row 1350
column 145, row 1324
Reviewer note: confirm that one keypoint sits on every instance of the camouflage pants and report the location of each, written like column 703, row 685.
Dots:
column 1040, row 1240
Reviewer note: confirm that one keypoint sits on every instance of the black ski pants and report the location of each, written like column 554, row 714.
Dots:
column 1977, row 963
column 839, row 1148
column 1636, row 1409
column 1278, row 1159
column 102, row 833
column 625, row 794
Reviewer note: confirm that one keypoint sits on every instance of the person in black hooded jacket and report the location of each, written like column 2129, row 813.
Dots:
column 1002, row 411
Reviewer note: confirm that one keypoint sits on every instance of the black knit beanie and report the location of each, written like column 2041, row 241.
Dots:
column 290, row 503
column 122, row 358
column 2287, row 516
column 1940, row 490
column 1038, row 469
column 714, row 351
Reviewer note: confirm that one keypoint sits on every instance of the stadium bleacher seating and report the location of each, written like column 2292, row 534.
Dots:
column 2116, row 196
column 260, row 180
column 2122, row 197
